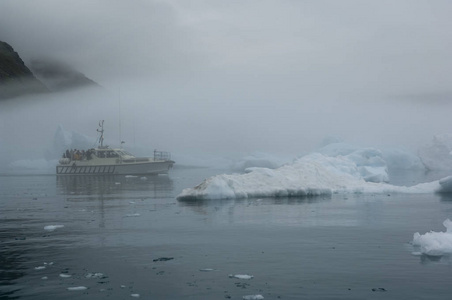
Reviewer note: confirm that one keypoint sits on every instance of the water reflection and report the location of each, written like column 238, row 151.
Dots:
column 428, row 259
column 254, row 201
column 445, row 197
column 153, row 186
column 12, row 267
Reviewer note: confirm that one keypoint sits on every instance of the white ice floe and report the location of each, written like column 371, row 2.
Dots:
column 44, row 277
column 62, row 275
column 253, row 297
column 241, row 276
column 435, row 243
column 40, row 268
column 132, row 215
column 313, row 174
column 135, row 295
column 206, row 270
column 52, row 227
column 77, row 288
column 94, row 275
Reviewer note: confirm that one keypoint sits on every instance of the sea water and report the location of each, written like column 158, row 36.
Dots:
column 129, row 237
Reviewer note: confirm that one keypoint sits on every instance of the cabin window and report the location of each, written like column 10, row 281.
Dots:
column 112, row 154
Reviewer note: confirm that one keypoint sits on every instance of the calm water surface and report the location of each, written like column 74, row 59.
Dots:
column 146, row 243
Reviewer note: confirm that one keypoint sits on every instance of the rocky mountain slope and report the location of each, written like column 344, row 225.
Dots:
column 16, row 79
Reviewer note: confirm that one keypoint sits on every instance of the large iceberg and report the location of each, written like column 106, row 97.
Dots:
column 437, row 155
column 313, row 174
column 369, row 162
column 65, row 139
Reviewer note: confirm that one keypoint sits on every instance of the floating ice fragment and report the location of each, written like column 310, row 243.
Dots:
column 207, row 270
column 133, row 215
column 52, row 227
column 135, row 295
column 77, row 288
column 44, row 277
column 132, row 202
column 40, row 268
column 131, row 176
column 117, row 183
column 253, row 297
column 65, row 275
column 241, row 276
column 94, row 275
column 143, row 178
column 435, row 243
column 123, row 286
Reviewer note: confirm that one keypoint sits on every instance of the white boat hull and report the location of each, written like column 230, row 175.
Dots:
column 145, row 168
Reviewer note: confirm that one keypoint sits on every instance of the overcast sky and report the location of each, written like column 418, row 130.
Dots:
column 260, row 69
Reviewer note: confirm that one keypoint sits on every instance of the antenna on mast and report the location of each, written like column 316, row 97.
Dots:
column 101, row 138
column 119, row 115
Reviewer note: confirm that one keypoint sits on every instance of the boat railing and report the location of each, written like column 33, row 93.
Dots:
column 162, row 155
column 135, row 160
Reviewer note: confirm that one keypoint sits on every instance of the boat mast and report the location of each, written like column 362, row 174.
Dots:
column 101, row 138
column 119, row 117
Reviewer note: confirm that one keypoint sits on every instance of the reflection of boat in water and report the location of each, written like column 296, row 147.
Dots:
column 107, row 161
column 82, row 186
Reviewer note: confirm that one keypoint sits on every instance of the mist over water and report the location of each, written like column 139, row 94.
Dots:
column 227, row 86
column 228, row 80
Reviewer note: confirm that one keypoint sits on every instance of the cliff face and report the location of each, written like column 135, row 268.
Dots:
column 15, row 78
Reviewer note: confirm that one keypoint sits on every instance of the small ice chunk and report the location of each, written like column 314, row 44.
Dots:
column 133, row 215
column 77, row 288
column 123, row 286
column 253, row 297
column 40, row 268
column 44, row 277
column 65, row 275
column 435, row 243
column 241, row 276
column 207, row 270
column 52, row 227
column 143, row 178
column 94, row 275
column 135, row 295
column 132, row 202
column 131, row 176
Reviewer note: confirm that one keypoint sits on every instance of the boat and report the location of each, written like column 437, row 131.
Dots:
column 104, row 160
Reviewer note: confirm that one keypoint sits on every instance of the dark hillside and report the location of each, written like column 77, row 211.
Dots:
column 15, row 78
